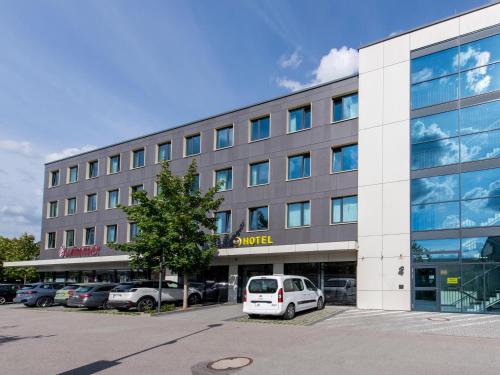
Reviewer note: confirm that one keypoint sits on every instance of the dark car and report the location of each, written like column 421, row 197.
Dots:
column 37, row 294
column 8, row 292
column 216, row 292
column 91, row 296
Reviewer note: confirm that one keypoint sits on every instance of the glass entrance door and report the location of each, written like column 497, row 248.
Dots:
column 426, row 289
column 246, row 271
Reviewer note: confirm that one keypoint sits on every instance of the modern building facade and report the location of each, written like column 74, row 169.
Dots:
column 382, row 188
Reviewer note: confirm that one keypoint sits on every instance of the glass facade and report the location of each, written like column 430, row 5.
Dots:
column 299, row 119
column 260, row 128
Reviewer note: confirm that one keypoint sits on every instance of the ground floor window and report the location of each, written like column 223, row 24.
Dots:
column 93, row 276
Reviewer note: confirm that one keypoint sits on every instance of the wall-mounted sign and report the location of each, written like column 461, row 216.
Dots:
column 79, row 251
column 253, row 240
column 452, row 280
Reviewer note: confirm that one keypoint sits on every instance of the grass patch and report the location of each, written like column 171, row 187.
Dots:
column 163, row 308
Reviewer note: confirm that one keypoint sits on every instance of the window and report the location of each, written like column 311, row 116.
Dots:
column 479, row 118
column 70, row 238
column 263, row 286
column 224, row 137
column 480, row 146
column 259, row 173
column 90, row 236
column 52, row 209
column 113, row 198
column 51, row 240
column 435, row 216
column 193, row 145
column 114, row 164
column 435, row 250
column 435, row 189
column 299, row 119
column 111, row 233
column 71, row 206
column 135, row 189
column 73, row 174
column 345, row 107
column 223, row 222
column 133, row 231
column 224, row 179
column 299, row 166
column 91, row 202
column 260, row 128
column 164, row 152
column 345, row 158
column 293, row 285
column 93, row 169
column 258, row 218
column 434, row 154
column 138, row 158
column 344, row 210
column 485, row 249
column 298, row 214
column 196, row 183
column 54, row 178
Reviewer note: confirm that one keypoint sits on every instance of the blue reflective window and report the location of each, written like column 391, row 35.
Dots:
column 91, row 202
column 434, row 127
column 111, row 233
column 299, row 166
column 90, row 236
column 223, row 222
column 434, row 154
column 135, row 189
column 433, row 92
column 224, row 179
column 193, row 145
column 345, row 107
column 224, row 137
column 259, row 173
column 196, row 183
column 258, row 218
column 480, row 52
column 260, row 128
column 71, row 210
column 344, row 210
column 435, row 65
column 444, row 250
column 299, row 214
column 480, row 184
column 434, row 189
column 133, row 231
column 435, row 216
column 480, row 146
column 480, row 117
column 73, row 174
column 480, row 80
column 345, row 158
column 138, row 158
column 93, row 169
column 481, row 212
column 164, row 152
column 112, row 198
column 481, row 249
column 299, row 119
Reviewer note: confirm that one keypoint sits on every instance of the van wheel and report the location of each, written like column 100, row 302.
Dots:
column 146, row 303
column 44, row 302
column 253, row 316
column 289, row 312
column 2, row 300
column 321, row 303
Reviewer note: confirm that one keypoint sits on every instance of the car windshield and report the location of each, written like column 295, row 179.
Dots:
column 335, row 283
column 264, row 286
column 84, row 289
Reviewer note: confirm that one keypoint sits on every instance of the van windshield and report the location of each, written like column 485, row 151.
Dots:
column 263, row 286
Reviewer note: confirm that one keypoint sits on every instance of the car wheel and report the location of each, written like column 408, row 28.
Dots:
column 105, row 305
column 44, row 302
column 289, row 312
column 321, row 303
column 2, row 300
column 253, row 316
column 194, row 299
column 145, row 304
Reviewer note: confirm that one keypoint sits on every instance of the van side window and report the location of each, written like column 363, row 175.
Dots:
column 310, row 285
column 288, row 286
column 297, row 284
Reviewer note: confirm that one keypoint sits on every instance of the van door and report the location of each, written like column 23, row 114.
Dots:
column 312, row 293
column 301, row 295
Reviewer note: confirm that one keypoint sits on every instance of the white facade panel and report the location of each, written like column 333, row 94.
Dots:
column 396, row 50
column 396, row 99
column 369, row 211
column 370, row 98
column 435, row 34
column 396, row 151
column 370, row 159
column 373, row 58
column 369, row 276
column 396, row 207
column 480, row 19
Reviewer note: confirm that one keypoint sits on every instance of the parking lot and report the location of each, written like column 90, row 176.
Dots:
column 345, row 341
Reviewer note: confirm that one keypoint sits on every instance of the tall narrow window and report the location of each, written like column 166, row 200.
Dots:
column 224, row 179
column 53, row 209
column 345, row 107
column 114, row 164
column 192, row 145
column 299, row 119
column 138, row 158
column 345, row 158
column 259, row 173
column 298, row 214
column 71, row 206
column 91, row 202
column 164, row 152
column 70, row 238
column 223, row 222
column 344, row 210
column 258, row 218
column 224, row 137
column 133, row 231
column 51, row 240
column 93, row 169
column 196, row 183
column 54, row 178
column 135, row 189
column 113, row 198
column 299, row 166
column 260, row 128
column 73, row 174
column 111, row 233
column 90, row 236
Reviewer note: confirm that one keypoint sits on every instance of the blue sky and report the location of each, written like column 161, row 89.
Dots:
column 78, row 75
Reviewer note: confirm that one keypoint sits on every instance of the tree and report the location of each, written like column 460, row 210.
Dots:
column 18, row 249
column 174, row 227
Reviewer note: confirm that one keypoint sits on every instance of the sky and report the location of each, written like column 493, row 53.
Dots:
column 79, row 75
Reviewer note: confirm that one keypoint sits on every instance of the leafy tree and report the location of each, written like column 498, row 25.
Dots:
column 175, row 226
column 18, row 249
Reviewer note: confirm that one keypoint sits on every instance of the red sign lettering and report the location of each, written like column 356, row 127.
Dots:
column 79, row 251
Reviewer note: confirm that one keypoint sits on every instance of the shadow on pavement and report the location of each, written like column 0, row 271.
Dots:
column 7, row 339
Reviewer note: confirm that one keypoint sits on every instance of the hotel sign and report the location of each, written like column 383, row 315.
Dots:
column 79, row 251
column 253, row 240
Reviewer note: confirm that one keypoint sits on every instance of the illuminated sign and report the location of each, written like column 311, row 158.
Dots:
column 251, row 241
column 79, row 251
column 452, row 280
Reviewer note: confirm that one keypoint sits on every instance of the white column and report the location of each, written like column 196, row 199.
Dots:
column 278, row 268
column 233, row 283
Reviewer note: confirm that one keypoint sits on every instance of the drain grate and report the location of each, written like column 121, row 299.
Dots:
column 231, row 363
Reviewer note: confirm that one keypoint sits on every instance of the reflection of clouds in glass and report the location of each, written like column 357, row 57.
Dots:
column 481, row 212
column 477, row 80
column 423, row 132
column 435, row 189
column 472, row 58
column 422, row 75
column 480, row 146
column 432, row 154
column 451, row 221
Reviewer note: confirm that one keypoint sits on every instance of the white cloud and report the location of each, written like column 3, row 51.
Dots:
column 67, row 152
column 336, row 64
column 22, row 147
column 292, row 61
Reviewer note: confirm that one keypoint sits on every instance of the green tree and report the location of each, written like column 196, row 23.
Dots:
column 174, row 227
column 18, row 249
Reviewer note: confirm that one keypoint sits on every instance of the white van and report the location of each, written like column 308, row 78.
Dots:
column 280, row 295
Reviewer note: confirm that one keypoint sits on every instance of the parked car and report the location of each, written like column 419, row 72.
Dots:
column 340, row 290
column 146, row 296
column 91, row 296
column 37, row 294
column 217, row 292
column 8, row 292
column 63, row 294
column 280, row 295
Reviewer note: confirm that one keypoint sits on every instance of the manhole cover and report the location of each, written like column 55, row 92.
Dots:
column 231, row 363
column 438, row 319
